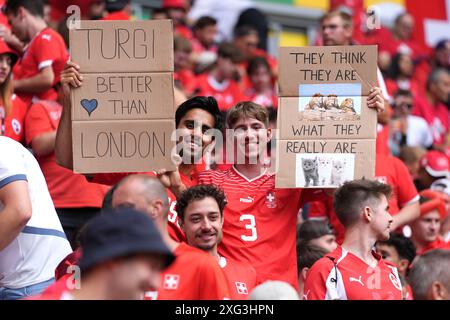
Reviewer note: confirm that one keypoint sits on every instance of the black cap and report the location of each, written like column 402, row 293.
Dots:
column 118, row 233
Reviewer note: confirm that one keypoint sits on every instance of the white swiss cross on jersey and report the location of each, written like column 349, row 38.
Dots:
column 271, row 200
column 171, row 281
column 241, row 287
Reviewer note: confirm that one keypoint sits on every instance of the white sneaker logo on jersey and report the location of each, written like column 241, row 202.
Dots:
column 359, row 280
column 171, row 281
column 247, row 200
column 241, row 288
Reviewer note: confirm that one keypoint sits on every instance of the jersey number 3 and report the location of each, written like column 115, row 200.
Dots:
column 251, row 225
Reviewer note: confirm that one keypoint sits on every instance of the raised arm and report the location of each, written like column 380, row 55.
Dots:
column 70, row 78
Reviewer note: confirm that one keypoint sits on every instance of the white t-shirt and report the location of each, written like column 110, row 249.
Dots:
column 419, row 133
column 32, row 257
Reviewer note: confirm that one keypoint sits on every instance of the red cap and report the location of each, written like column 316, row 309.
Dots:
column 4, row 48
column 174, row 4
column 436, row 202
column 435, row 163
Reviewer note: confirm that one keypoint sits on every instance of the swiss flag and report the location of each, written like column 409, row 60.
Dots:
column 432, row 21
column 241, row 288
column 171, row 281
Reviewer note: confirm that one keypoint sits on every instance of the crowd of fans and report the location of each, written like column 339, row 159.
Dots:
column 214, row 230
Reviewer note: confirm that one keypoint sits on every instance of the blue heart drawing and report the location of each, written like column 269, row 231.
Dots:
column 89, row 105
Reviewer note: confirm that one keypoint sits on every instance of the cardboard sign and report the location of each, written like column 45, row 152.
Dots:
column 293, row 124
column 123, row 46
column 327, row 65
column 122, row 96
column 324, row 163
column 123, row 115
column 122, row 146
column 326, row 130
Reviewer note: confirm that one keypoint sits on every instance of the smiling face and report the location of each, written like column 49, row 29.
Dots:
column 192, row 132
column 251, row 136
column 202, row 224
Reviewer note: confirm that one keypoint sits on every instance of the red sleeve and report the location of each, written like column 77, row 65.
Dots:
column 47, row 50
column 213, row 283
column 315, row 283
column 37, row 122
column 405, row 186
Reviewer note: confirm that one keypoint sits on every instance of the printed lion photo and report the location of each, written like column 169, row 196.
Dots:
column 330, row 107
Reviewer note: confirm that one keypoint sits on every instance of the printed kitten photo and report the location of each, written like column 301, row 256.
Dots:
column 337, row 172
column 310, row 171
column 324, row 171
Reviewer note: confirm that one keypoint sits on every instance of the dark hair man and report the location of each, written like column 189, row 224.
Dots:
column 354, row 271
column 200, row 210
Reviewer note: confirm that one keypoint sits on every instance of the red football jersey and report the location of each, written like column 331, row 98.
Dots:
column 260, row 223
column 227, row 93
column 12, row 125
column 68, row 189
column 46, row 49
column 241, row 278
column 341, row 275
column 194, row 275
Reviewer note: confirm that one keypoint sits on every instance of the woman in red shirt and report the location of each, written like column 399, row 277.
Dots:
column 12, row 109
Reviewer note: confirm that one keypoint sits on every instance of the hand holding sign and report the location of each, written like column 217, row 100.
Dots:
column 172, row 179
column 375, row 99
column 71, row 77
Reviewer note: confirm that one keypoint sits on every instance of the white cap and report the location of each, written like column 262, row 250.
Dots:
column 442, row 185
